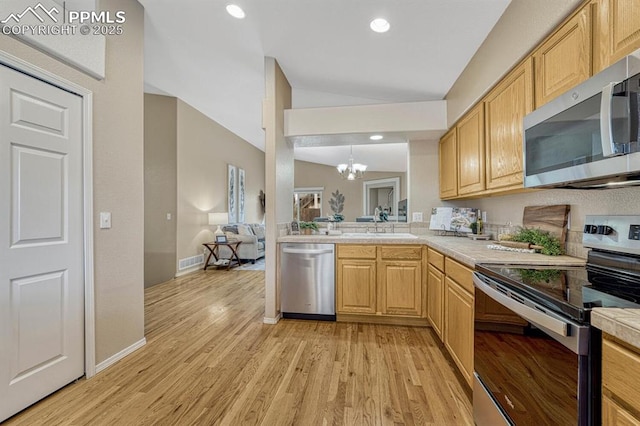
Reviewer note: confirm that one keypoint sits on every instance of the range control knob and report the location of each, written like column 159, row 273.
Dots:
column 604, row 230
column 590, row 229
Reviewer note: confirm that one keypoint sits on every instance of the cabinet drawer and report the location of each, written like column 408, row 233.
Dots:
column 621, row 372
column 401, row 252
column 356, row 251
column 459, row 273
column 436, row 259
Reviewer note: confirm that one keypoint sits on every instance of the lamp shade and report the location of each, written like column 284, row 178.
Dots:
column 218, row 218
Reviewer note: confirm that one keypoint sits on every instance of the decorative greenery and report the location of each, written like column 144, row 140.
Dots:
column 539, row 275
column 550, row 243
column 336, row 217
column 336, row 202
column 308, row 225
column 474, row 227
column 383, row 215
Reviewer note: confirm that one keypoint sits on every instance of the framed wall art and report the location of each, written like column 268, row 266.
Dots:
column 231, row 193
column 241, row 185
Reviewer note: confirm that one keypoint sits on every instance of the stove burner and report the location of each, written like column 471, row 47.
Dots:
column 614, row 286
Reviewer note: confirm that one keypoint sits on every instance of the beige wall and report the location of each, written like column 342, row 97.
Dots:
column 522, row 26
column 424, row 179
column 204, row 149
column 279, row 176
column 160, row 194
column 117, row 176
column 313, row 175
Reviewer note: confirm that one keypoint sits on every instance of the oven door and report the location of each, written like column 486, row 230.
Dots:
column 531, row 365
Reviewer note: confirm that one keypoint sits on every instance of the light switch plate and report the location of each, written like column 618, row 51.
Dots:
column 105, row 220
column 417, row 217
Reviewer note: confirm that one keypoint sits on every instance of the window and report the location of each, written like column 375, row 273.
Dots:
column 307, row 203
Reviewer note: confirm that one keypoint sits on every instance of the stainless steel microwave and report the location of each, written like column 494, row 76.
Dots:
column 588, row 136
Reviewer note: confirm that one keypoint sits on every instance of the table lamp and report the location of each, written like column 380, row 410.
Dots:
column 218, row 219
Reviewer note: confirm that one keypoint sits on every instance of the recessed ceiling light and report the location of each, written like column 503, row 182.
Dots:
column 380, row 25
column 376, row 137
column 235, row 11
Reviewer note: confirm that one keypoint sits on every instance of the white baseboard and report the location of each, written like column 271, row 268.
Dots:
column 272, row 320
column 123, row 353
column 189, row 271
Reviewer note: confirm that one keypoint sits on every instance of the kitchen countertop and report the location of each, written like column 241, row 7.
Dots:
column 462, row 249
column 621, row 323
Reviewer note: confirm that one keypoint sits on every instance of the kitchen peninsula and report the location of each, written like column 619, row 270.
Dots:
column 418, row 280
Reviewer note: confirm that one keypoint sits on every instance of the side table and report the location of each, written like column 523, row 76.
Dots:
column 214, row 250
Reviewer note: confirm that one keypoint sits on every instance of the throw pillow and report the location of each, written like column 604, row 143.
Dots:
column 244, row 230
column 230, row 228
column 258, row 230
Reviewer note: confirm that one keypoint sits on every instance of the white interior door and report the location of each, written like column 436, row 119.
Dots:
column 41, row 240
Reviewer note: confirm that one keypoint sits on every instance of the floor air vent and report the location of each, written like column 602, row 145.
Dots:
column 189, row 262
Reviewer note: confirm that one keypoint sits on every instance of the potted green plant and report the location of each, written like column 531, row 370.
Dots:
column 307, row 228
column 474, row 227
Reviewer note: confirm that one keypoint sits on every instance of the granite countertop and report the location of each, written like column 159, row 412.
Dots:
column 621, row 323
column 464, row 250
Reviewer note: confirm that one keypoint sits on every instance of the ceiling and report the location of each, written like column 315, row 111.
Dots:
column 195, row 51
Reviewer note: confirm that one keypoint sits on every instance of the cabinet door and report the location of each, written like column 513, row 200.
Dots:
column 615, row 415
column 505, row 107
column 564, row 60
column 621, row 372
column 435, row 301
column 356, row 286
column 470, row 140
column 617, row 31
column 448, row 165
column 400, row 284
column 458, row 332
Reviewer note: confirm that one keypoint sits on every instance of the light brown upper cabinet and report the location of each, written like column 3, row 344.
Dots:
column 616, row 32
column 505, row 107
column 470, row 140
column 564, row 60
column 448, row 165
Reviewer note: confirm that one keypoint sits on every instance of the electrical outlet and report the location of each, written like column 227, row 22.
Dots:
column 105, row 220
column 417, row 217
column 168, row 216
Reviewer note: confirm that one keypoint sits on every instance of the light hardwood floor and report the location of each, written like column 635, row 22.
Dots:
column 209, row 360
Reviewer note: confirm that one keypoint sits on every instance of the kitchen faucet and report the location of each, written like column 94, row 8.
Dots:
column 376, row 218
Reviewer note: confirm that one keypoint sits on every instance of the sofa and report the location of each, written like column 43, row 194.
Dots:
column 252, row 237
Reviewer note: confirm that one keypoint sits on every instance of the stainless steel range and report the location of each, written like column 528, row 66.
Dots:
column 536, row 357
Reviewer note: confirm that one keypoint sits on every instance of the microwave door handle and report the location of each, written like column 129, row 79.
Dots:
column 606, row 132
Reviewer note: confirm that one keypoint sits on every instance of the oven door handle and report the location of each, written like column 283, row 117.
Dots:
column 530, row 314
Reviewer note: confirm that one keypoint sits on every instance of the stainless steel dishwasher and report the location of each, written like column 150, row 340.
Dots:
column 307, row 277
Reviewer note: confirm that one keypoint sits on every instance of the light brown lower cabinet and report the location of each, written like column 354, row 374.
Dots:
column 614, row 414
column 356, row 286
column 450, row 308
column 620, row 379
column 435, row 301
column 458, row 327
column 400, row 284
column 380, row 281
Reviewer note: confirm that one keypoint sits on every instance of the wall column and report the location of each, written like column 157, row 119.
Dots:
column 279, row 168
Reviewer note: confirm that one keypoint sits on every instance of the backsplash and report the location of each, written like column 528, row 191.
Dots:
column 573, row 244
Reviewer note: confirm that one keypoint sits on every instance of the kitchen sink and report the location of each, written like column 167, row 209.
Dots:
column 377, row 235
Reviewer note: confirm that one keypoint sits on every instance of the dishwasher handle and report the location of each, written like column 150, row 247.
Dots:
column 307, row 251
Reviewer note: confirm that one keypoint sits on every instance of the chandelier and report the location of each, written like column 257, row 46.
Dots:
column 351, row 171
